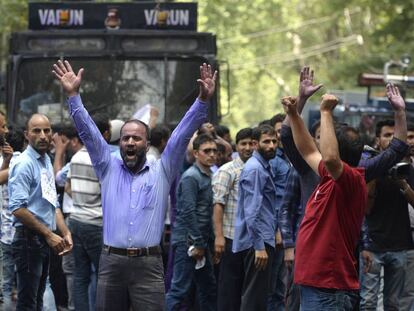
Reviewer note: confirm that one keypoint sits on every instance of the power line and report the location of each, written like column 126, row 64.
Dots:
column 277, row 29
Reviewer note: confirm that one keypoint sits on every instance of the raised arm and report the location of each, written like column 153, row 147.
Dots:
column 328, row 142
column 306, row 90
column 96, row 145
column 173, row 155
column 379, row 165
column 303, row 140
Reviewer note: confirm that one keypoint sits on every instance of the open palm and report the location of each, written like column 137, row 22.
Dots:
column 67, row 77
column 207, row 82
column 306, row 86
column 396, row 100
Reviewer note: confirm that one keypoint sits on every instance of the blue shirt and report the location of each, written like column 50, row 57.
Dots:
column 25, row 189
column 280, row 168
column 134, row 205
column 194, row 208
column 256, row 208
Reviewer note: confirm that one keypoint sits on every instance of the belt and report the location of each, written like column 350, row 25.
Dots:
column 133, row 252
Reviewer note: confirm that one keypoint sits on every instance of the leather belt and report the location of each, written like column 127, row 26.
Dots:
column 133, row 252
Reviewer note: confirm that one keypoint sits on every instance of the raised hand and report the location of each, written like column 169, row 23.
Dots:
column 306, row 87
column 67, row 77
column 207, row 82
column 328, row 102
column 290, row 105
column 394, row 97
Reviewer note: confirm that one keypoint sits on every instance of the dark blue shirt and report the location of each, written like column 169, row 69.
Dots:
column 194, row 208
column 256, row 208
column 280, row 168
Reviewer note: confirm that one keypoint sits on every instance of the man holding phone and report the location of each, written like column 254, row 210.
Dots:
column 33, row 202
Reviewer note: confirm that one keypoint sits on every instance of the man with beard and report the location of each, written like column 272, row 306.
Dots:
column 134, row 196
column 255, row 227
column 34, row 204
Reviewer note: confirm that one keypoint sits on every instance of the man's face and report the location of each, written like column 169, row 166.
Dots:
column 39, row 133
column 317, row 137
column 206, row 155
column 267, row 146
column 3, row 126
column 386, row 135
column 410, row 142
column 278, row 129
column 133, row 144
column 245, row 148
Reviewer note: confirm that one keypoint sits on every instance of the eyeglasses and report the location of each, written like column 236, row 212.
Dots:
column 209, row 150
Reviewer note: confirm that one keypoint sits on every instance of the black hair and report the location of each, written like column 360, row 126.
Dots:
column 277, row 119
column 158, row 133
column 222, row 130
column 314, row 127
column 102, row 122
column 381, row 124
column 263, row 129
column 15, row 138
column 202, row 139
column 243, row 134
column 264, row 122
column 350, row 147
column 139, row 122
column 70, row 132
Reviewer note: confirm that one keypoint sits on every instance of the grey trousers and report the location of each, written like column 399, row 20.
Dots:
column 126, row 283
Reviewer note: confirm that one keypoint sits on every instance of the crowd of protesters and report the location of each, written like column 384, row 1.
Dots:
column 122, row 215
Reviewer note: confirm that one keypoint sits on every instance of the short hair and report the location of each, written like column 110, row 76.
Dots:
column 139, row 122
column 381, row 124
column 410, row 127
column 16, row 139
column 221, row 130
column 264, row 122
column 158, row 133
column 202, row 139
column 243, row 134
column 277, row 119
column 263, row 129
column 350, row 148
column 314, row 127
column 70, row 132
column 102, row 122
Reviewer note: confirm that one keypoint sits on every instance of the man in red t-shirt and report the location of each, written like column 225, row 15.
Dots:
column 325, row 262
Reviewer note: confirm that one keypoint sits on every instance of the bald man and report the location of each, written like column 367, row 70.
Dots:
column 33, row 202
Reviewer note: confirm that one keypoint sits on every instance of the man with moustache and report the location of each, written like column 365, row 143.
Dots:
column 194, row 228
column 33, row 202
column 134, row 196
column 254, row 235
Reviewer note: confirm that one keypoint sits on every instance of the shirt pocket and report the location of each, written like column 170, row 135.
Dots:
column 147, row 200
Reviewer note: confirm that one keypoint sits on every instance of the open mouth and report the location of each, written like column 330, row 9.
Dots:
column 130, row 153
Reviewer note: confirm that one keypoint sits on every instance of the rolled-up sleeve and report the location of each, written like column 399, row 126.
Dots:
column 19, row 186
column 221, row 185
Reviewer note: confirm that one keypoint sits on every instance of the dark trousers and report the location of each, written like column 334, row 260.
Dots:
column 130, row 282
column 31, row 256
column 230, row 279
column 185, row 275
column 256, row 282
column 87, row 248
column 292, row 293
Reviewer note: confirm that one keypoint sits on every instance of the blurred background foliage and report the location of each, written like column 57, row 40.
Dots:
column 263, row 44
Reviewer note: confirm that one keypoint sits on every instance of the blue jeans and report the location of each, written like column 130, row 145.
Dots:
column 185, row 274
column 9, row 276
column 276, row 297
column 31, row 256
column 313, row 298
column 394, row 276
column 87, row 248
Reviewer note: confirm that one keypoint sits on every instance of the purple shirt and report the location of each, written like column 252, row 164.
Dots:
column 134, row 205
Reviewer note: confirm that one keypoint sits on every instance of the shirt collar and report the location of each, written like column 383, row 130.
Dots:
column 34, row 153
column 201, row 170
column 144, row 167
column 261, row 159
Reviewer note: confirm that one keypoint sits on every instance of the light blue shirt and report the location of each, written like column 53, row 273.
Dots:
column 25, row 188
column 134, row 205
column 256, row 207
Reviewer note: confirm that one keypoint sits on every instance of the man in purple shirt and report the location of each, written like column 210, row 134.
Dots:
column 134, row 196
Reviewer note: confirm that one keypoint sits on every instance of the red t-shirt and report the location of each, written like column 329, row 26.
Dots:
column 330, row 230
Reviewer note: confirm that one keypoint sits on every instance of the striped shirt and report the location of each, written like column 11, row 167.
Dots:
column 86, row 190
column 226, row 188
